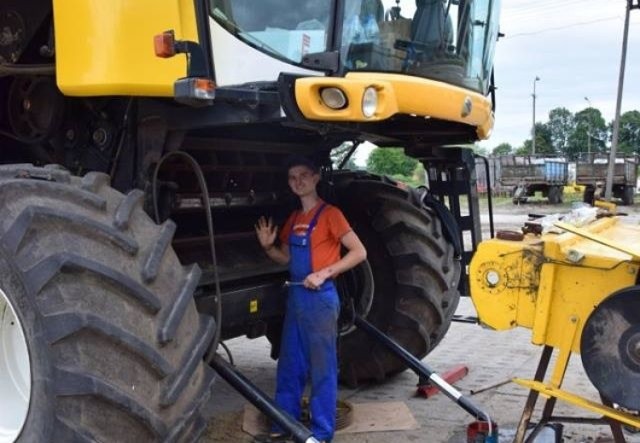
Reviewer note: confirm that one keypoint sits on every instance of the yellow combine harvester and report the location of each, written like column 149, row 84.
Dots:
column 108, row 315
column 576, row 289
column 108, row 319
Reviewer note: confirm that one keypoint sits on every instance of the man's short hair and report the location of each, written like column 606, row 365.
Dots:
column 302, row 160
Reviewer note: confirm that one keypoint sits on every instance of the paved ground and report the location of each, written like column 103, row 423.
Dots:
column 492, row 358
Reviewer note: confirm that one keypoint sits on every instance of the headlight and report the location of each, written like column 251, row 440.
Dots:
column 369, row 102
column 334, row 98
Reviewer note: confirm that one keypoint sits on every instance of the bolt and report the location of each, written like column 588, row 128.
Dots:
column 26, row 104
column 99, row 136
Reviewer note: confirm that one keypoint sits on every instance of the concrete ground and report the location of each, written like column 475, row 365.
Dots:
column 492, row 358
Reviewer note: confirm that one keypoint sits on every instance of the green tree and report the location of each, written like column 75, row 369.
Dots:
column 590, row 133
column 502, row 149
column 525, row 149
column 629, row 135
column 561, row 125
column 391, row 161
column 543, row 141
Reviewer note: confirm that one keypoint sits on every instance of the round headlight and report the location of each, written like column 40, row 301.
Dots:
column 334, row 98
column 369, row 102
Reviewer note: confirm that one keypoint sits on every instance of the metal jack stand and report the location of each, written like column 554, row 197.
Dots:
column 423, row 370
column 260, row 400
column 547, row 417
column 426, row 389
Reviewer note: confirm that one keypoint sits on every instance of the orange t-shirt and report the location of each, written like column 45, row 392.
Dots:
column 325, row 238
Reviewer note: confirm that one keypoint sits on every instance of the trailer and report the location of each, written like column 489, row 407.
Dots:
column 527, row 174
column 591, row 172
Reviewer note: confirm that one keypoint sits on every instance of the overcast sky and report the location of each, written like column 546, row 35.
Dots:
column 574, row 46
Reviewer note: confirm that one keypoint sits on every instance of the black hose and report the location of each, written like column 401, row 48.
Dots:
column 260, row 400
column 7, row 69
column 122, row 138
column 228, row 351
column 207, row 208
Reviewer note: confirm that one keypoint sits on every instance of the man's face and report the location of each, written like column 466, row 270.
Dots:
column 303, row 180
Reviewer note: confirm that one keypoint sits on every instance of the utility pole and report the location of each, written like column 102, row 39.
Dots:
column 533, row 126
column 588, row 133
column 616, row 122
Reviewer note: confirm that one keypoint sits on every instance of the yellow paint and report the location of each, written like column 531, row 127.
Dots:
column 611, row 207
column 544, row 288
column 551, row 284
column 581, row 402
column 106, row 47
column 510, row 302
column 253, row 306
column 397, row 94
column 631, row 250
column 572, row 324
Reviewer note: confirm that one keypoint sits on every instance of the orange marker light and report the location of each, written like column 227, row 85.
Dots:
column 164, row 44
column 204, row 84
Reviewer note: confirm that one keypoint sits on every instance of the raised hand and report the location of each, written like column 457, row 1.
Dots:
column 266, row 231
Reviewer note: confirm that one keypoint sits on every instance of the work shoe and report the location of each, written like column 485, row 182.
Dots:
column 272, row 438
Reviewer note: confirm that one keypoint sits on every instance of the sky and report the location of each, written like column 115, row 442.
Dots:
column 574, row 47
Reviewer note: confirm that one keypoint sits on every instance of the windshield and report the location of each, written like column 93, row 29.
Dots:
column 448, row 40
column 287, row 29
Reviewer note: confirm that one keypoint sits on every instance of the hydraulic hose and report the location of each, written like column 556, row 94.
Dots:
column 8, row 69
column 207, row 208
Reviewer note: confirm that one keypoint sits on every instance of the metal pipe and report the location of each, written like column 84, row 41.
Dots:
column 346, row 158
column 487, row 171
column 422, row 370
column 533, row 127
column 260, row 400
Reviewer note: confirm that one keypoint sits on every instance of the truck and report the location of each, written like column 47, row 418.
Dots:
column 527, row 174
column 142, row 140
column 591, row 172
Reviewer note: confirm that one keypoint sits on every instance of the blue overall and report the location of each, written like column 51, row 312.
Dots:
column 308, row 348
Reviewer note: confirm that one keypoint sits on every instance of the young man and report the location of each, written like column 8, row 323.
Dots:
column 310, row 243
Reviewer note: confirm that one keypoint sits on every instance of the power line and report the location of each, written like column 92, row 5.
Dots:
column 545, row 8
column 559, row 28
column 556, row 9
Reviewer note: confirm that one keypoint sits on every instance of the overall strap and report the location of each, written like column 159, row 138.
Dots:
column 314, row 220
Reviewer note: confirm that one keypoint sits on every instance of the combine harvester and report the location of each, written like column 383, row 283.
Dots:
column 142, row 139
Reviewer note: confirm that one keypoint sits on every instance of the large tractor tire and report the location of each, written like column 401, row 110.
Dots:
column 628, row 195
column 103, row 339
column 555, row 195
column 589, row 195
column 415, row 277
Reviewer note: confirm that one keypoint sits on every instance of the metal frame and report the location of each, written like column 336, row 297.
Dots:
column 613, row 417
column 451, row 175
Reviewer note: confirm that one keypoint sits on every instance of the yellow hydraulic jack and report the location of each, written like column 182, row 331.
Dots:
column 577, row 291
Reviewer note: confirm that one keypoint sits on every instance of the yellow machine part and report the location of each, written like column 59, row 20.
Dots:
column 547, row 283
column 397, row 94
column 106, row 47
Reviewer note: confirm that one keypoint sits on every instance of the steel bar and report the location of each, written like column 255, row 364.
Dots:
column 260, row 400
column 421, row 369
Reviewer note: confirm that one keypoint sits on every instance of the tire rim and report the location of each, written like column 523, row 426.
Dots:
column 358, row 285
column 15, row 373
